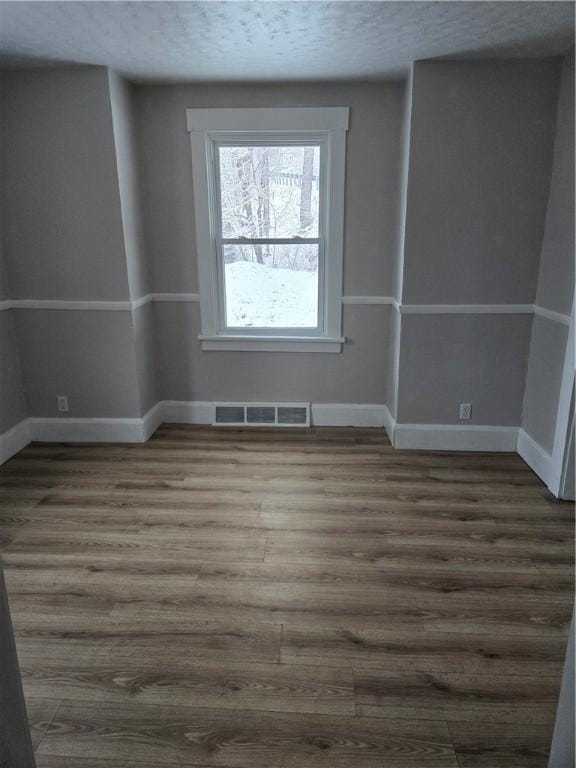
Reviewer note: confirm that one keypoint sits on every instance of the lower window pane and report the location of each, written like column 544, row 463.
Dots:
column 271, row 286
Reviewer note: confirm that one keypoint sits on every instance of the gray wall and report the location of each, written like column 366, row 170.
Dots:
column 451, row 359
column 556, row 275
column 482, row 138
column 394, row 339
column 359, row 374
column 144, row 335
column 12, row 400
column 543, row 380
column 555, row 289
column 87, row 355
column 125, row 143
column 4, row 293
column 62, row 228
column 393, row 362
column 71, row 230
column 481, row 144
column 130, row 192
column 13, row 406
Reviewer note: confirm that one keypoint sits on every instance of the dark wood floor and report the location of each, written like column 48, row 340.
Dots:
column 285, row 599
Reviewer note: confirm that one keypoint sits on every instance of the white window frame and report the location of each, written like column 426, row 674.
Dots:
column 210, row 128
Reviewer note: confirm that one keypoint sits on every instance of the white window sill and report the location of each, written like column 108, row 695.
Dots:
column 237, row 343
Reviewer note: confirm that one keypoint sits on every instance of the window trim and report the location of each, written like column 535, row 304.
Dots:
column 210, row 127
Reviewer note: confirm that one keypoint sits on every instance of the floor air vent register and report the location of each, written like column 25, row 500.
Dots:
column 262, row 414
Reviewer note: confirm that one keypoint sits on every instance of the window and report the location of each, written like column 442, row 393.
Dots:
column 269, row 199
column 269, row 196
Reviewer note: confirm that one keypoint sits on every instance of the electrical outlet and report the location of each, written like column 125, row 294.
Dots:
column 465, row 411
column 62, row 401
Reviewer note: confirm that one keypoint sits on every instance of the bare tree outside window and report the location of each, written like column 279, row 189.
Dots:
column 269, row 193
column 306, row 217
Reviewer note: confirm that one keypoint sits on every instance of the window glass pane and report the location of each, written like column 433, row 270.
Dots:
column 270, row 191
column 271, row 286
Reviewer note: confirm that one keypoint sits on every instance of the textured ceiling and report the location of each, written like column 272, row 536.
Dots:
column 203, row 41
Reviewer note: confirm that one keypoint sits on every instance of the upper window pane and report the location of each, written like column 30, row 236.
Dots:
column 270, row 191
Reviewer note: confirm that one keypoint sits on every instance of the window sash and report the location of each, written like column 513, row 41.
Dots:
column 270, row 240
column 219, row 242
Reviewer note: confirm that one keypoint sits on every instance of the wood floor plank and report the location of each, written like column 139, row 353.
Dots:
column 531, row 510
column 417, row 525
column 116, row 517
column 359, row 489
column 59, row 644
column 107, row 586
column 91, row 607
column 219, row 685
column 427, row 652
column 61, row 565
column 522, row 587
column 186, row 639
column 420, row 552
column 40, row 712
column 456, row 697
column 507, row 745
column 81, row 761
column 350, row 606
column 87, row 501
column 33, row 519
column 200, row 546
column 234, row 739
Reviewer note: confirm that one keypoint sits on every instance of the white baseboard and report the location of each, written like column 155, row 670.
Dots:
column 538, row 459
column 13, row 440
column 448, row 437
column 390, row 426
column 151, row 421
column 349, row 415
column 187, row 411
column 70, row 430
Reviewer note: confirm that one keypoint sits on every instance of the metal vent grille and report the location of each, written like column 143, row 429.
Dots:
column 262, row 414
column 229, row 414
column 295, row 416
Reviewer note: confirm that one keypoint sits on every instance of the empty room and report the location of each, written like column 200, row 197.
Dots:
column 287, row 384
